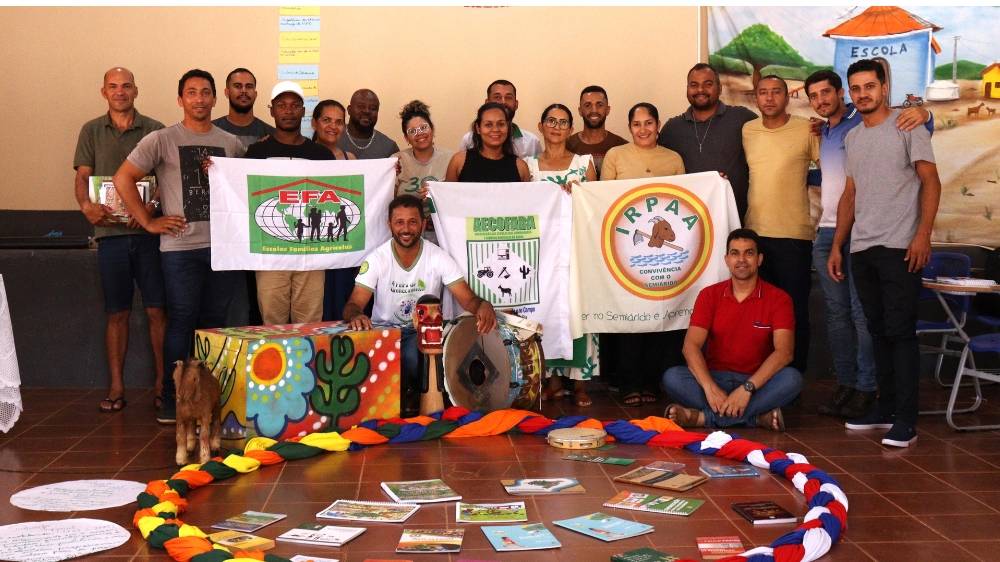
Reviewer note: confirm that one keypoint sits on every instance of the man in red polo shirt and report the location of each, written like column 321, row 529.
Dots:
column 738, row 347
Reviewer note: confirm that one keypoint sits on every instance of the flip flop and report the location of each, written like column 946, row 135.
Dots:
column 581, row 399
column 110, row 405
column 649, row 398
column 768, row 420
column 632, row 399
column 684, row 417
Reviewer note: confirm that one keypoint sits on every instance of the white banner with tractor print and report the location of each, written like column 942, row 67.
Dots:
column 644, row 248
column 298, row 215
column 513, row 241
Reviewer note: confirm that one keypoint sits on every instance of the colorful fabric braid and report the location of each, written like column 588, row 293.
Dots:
column 163, row 500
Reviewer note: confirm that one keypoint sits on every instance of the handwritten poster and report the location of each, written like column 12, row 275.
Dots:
column 298, row 10
column 50, row 541
column 298, row 72
column 78, row 495
column 298, row 23
column 298, row 55
column 298, row 39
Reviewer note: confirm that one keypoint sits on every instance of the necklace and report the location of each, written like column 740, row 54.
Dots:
column 350, row 139
column 704, row 138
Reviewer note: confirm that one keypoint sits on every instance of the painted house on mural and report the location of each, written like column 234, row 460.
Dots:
column 903, row 40
column 991, row 81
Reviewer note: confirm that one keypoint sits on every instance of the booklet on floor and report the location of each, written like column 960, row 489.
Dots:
column 520, row 537
column 605, row 527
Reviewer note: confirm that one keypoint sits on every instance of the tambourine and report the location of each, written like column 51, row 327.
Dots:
column 576, row 438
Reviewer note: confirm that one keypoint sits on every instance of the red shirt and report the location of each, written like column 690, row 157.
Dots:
column 741, row 334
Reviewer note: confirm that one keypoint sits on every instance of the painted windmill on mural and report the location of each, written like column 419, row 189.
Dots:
column 902, row 40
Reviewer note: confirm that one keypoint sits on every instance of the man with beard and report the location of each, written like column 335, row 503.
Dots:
column 525, row 142
column 361, row 138
column 709, row 135
column 398, row 273
column 848, row 339
column 890, row 200
column 737, row 349
column 779, row 148
column 594, row 139
column 295, row 296
column 241, row 89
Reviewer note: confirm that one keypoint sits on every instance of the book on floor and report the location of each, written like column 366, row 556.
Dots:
column 353, row 510
column 520, row 537
column 530, row 486
column 730, row 471
column 764, row 513
column 585, row 457
column 605, row 527
column 510, row 512
column 240, row 540
column 249, row 521
column 420, row 491
column 320, row 535
column 307, row 558
column 712, row 548
column 643, row 555
column 668, row 505
column 430, row 540
column 663, row 479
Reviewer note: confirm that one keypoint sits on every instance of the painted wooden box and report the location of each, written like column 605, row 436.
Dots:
column 290, row 380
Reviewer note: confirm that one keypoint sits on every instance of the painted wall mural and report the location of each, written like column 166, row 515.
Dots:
column 942, row 58
column 287, row 381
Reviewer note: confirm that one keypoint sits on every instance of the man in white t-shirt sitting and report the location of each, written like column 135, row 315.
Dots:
column 401, row 271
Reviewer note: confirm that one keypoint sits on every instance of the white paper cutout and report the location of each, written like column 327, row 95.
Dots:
column 78, row 495
column 50, row 541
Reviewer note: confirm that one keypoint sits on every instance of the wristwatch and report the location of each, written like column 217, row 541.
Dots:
column 749, row 387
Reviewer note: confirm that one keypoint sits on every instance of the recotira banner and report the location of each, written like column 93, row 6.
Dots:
column 513, row 241
column 644, row 248
column 298, row 215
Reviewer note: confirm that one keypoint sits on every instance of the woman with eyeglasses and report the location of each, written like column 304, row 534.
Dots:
column 643, row 357
column 328, row 124
column 491, row 158
column 641, row 158
column 558, row 165
column 422, row 162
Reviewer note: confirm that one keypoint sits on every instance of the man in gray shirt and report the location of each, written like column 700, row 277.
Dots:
column 197, row 297
column 241, row 90
column 361, row 138
column 126, row 254
column 888, row 209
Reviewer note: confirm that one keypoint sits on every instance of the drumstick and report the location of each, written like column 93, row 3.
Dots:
column 433, row 400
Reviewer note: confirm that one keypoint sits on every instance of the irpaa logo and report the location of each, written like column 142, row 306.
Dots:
column 656, row 240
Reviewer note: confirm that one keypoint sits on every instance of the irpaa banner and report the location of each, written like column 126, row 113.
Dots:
column 644, row 248
column 513, row 241
column 298, row 215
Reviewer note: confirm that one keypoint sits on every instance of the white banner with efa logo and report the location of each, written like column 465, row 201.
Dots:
column 644, row 248
column 513, row 242
column 298, row 215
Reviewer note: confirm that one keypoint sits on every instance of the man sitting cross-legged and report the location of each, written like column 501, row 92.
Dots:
column 737, row 348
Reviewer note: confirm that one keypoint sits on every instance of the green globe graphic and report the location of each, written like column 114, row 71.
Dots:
column 279, row 219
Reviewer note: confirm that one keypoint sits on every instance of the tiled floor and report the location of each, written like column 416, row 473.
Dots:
column 935, row 501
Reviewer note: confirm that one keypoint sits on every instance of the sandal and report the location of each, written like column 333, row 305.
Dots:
column 110, row 405
column 632, row 399
column 773, row 420
column 684, row 417
column 649, row 397
column 581, row 399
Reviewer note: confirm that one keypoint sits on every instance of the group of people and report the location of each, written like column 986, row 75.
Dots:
column 743, row 356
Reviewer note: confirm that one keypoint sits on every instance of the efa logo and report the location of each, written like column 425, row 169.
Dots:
column 292, row 196
column 656, row 240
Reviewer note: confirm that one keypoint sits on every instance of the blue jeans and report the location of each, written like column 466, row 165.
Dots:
column 197, row 297
column 783, row 387
column 126, row 261
column 846, row 328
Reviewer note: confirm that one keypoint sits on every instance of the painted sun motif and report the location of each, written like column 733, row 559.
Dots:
column 278, row 383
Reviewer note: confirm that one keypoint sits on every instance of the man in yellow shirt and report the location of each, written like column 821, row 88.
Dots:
column 779, row 147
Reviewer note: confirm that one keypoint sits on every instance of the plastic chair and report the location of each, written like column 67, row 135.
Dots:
column 946, row 264
column 986, row 343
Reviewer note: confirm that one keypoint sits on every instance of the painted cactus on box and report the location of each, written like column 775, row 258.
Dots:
column 284, row 381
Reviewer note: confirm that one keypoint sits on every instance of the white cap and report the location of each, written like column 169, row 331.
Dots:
column 287, row 86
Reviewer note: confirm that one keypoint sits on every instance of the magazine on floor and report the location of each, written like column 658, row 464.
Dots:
column 320, row 535
column 664, row 479
column 520, row 537
column 605, row 527
column 420, row 491
column 530, row 486
column 510, row 512
column 249, row 521
column 430, row 540
column 382, row 512
column 668, row 505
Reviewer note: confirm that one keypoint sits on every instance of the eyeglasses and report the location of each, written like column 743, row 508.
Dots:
column 420, row 129
column 281, row 106
column 554, row 123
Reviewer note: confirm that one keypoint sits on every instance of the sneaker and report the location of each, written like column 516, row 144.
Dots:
column 840, row 398
column 860, row 403
column 872, row 420
column 900, row 435
column 166, row 413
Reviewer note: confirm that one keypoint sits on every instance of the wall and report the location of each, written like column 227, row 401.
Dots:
column 54, row 59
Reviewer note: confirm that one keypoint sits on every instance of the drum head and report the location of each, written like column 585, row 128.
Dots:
column 477, row 369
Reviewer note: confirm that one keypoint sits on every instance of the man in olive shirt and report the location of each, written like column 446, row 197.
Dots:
column 241, row 90
column 594, row 139
column 779, row 148
column 126, row 254
column 708, row 136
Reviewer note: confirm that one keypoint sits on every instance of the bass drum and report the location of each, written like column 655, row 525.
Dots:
column 502, row 369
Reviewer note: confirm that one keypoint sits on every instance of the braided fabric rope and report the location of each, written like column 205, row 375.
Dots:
column 163, row 500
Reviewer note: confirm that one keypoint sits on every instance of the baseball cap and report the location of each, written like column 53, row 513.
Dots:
column 287, row 86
